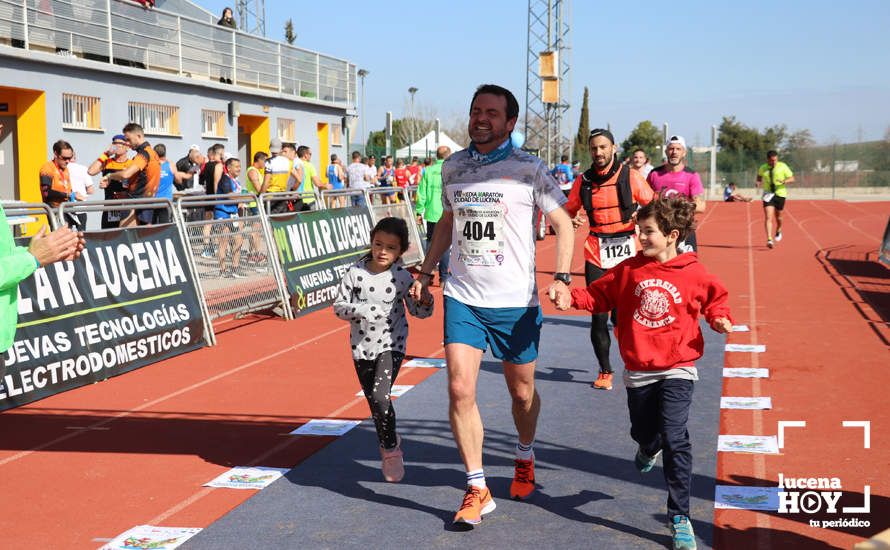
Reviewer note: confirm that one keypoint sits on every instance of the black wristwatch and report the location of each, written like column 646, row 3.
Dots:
column 564, row 277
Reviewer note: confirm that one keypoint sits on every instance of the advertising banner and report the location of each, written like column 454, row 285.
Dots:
column 316, row 248
column 127, row 302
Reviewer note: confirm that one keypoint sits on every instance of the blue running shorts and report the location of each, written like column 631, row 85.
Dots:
column 512, row 332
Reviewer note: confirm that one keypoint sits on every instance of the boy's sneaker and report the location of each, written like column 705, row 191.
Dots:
column 603, row 381
column 225, row 274
column 769, row 243
column 684, row 537
column 778, row 236
column 392, row 463
column 644, row 462
column 206, row 253
column 523, row 479
column 238, row 274
column 477, row 502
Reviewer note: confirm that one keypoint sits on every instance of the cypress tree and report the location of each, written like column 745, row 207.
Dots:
column 581, row 151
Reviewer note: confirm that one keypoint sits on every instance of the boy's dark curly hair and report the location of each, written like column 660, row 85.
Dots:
column 670, row 212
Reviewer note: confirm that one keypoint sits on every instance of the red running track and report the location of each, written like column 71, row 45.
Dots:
column 81, row 467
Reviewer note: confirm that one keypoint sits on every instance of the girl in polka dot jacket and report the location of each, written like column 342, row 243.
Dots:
column 373, row 295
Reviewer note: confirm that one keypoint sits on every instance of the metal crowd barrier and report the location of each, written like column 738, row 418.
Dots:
column 69, row 211
column 20, row 213
column 403, row 209
column 276, row 203
column 411, row 195
column 343, row 198
column 74, row 213
column 234, row 260
column 212, row 245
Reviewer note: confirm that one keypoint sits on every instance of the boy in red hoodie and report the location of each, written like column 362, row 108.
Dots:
column 659, row 295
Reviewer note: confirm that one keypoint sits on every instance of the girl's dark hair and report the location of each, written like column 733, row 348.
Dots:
column 393, row 226
column 670, row 212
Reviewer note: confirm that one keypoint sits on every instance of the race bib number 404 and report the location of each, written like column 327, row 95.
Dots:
column 614, row 250
column 480, row 239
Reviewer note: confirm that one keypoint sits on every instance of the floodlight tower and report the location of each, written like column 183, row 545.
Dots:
column 548, row 82
column 252, row 16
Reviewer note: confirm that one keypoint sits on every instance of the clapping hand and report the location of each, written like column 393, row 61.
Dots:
column 61, row 244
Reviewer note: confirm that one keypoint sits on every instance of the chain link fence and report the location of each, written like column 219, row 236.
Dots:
column 392, row 201
column 831, row 171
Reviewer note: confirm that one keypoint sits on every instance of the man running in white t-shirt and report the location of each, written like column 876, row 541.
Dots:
column 491, row 192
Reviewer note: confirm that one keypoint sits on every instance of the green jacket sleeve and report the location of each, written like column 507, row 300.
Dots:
column 16, row 263
column 420, row 203
column 15, row 266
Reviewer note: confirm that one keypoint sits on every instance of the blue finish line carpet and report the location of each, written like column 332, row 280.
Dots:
column 589, row 493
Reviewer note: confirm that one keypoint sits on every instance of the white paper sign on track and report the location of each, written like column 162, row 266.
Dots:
column 325, row 426
column 738, row 497
column 247, row 478
column 151, row 536
column 745, row 373
column 751, row 403
column 759, row 444
column 426, row 363
column 746, row 348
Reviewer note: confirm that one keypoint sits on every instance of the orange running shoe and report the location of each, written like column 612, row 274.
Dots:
column 477, row 502
column 523, row 479
column 603, row 381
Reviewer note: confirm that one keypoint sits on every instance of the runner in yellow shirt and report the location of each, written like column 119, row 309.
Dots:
column 773, row 176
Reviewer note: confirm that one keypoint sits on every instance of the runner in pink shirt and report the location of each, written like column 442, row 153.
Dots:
column 674, row 177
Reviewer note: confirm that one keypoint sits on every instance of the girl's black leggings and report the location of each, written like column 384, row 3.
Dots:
column 376, row 377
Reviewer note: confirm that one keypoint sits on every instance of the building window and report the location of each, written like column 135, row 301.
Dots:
column 80, row 111
column 154, row 118
column 287, row 130
column 336, row 133
column 214, row 123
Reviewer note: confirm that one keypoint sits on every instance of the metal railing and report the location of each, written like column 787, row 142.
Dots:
column 284, row 202
column 19, row 214
column 338, row 198
column 218, row 249
column 66, row 211
column 74, row 213
column 124, row 33
column 402, row 209
column 233, row 259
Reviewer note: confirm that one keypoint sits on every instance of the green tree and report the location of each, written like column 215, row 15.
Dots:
column 377, row 138
column 289, row 33
column 798, row 149
column 742, row 146
column 581, row 150
column 734, row 136
column 801, row 139
column 645, row 136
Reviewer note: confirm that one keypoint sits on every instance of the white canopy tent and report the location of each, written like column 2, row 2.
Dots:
column 426, row 146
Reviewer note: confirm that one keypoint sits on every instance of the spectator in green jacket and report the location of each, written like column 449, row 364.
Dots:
column 17, row 263
column 429, row 203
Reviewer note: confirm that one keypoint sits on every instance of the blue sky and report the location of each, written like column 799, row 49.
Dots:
column 807, row 64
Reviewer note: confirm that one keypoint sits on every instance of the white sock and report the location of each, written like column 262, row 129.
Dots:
column 476, row 478
column 525, row 452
